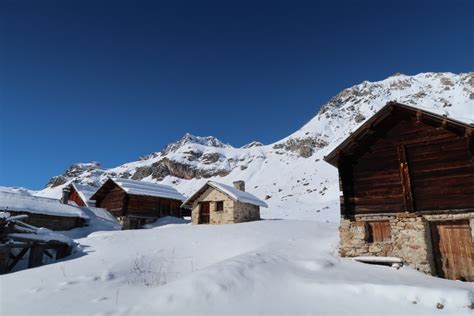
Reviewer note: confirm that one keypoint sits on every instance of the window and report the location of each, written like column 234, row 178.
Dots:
column 219, row 206
column 378, row 231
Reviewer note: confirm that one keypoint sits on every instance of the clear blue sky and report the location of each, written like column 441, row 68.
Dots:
column 111, row 81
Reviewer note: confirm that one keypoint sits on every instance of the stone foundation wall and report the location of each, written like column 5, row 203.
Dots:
column 244, row 212
column 410, row 237
column 125, row 221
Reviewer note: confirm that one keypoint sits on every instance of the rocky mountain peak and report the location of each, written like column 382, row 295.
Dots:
column 78, row 168
column 74, row 171
column 291, row 170
column 187, row 139
column 252, row 144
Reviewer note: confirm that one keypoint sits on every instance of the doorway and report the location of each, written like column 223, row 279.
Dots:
column 453, row 249
column 204, row 213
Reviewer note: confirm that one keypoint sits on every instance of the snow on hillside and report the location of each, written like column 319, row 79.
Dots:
column 290, row 175
column 269, row 267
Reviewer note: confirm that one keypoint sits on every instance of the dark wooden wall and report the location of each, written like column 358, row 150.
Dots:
column 114, row 200
column 408, row 164
column 117, row 201
column 50, row 221
column 442, row 175
column 153, row 206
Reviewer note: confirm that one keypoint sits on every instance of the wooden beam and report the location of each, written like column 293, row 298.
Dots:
column 444, row 123
column 125, row 200
column 346, row 178
column 36, row 256
column 418, row 116
column 17, row 258
column 62, row 251
column 469, row 134
column 406, row 182
column 46, row 252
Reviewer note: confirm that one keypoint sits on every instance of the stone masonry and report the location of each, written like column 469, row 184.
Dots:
column 410, row 237
column 234, row 211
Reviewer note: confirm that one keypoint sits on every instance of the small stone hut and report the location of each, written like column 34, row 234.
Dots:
column 217, row 203
column 407, row 182
column 136, row 203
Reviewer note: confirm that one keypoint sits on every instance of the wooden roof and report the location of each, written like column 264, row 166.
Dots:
column 370, row 127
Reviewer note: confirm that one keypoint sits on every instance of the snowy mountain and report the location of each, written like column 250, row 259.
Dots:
column 262, row 267
column 289, row 174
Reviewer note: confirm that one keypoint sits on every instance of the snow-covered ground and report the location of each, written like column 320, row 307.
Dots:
column 286, row 264
column 284, row 267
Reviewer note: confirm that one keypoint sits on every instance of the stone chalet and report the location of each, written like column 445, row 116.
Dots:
column 217, row 203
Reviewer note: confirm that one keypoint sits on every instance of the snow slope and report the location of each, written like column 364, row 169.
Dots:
column 290, row 175
column 274, row 266
column 282, row 267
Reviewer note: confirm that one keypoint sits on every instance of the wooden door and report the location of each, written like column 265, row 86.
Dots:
column 378, row 231
column 453, row 249
column 204, row 213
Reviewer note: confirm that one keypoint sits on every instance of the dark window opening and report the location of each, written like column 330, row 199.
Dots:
column 219, row 206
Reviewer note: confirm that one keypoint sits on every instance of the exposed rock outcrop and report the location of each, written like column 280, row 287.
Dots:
column 304, row 147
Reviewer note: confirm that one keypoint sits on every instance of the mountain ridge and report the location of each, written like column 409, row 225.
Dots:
column 290, row 173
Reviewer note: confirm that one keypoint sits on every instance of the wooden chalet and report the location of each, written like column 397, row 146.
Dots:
column 43, row 212
column 78, row 194
column 136, row 203
column 217, row 203
column 407, row 182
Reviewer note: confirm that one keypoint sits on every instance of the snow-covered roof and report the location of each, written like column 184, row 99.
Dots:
column 135, row 187
column 19, row 202
column 85, row 192
column 233, row 193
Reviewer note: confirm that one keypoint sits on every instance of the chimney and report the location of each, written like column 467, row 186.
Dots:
column 65, row 196
column 239, row 185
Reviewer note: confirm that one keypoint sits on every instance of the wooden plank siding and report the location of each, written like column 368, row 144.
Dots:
column 407, row 164
column 454, row 250
column 120, row 203
column 114, row 201
column 52, row 222
column 376, row 180
column 443, row 175
column 148, row 206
